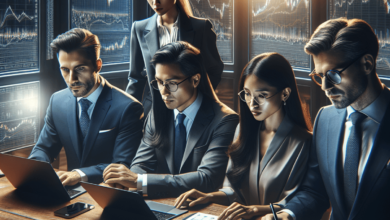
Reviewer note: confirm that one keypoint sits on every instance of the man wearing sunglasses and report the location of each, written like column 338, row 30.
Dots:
column 187, row 132
column 349, row 165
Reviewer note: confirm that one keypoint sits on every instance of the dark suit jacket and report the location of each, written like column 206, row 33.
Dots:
column 281, row 170
column 145, row 42
column 115, row 111
column 204, row 160
column 324, row 180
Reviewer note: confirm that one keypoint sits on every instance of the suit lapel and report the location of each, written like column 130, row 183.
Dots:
column 168, row 150
column 377, row 160
column 202, row 120
column 186, row 32
column 73, row 125
column 254, row 173
column 334, row 137
column 281, row 134
column 151, row 35
column 99, row 113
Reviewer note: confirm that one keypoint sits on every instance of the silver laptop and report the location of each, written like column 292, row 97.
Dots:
column 130, row 203
column 36, row 177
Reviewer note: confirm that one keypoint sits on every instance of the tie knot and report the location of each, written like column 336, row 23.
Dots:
column 85, row 103
column 357, row 117
column 180, row 118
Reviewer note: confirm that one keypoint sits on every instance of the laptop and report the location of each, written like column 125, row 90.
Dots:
column 36, row 177
column 130, row 203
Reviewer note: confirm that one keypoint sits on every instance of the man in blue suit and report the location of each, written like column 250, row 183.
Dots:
column 349, row 164
column 96, row 123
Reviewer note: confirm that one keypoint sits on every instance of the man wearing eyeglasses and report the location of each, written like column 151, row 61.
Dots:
column 187, row 132
column 349, row 164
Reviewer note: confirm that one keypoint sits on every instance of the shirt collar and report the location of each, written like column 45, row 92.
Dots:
column 377, row 109
column 191, row 111
column 93, row 97
column 176, row 24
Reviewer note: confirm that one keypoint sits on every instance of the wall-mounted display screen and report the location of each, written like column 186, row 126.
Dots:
column 111, row 21
column 18, row 36
column 376, row 13
column 281, row 26
column 19, row 117
column 220, row 13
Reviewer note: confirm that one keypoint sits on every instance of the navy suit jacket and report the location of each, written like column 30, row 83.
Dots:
column 114, row 134
column 324, row 179
column 145, row 42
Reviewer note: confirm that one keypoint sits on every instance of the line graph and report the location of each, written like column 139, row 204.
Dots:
column 376, row 13
column 19, row 120
column 18, row 35
column 281, row 26
column 220, row 14
column 111, row 21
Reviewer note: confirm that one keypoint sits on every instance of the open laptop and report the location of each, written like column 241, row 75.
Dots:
column 130, row 202
column 36, row 177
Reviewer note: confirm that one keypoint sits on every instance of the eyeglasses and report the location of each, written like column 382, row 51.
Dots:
column 247, row 97
column 170, row 85
column 332, row 75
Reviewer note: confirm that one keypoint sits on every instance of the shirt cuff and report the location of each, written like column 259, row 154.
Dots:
column 288, row 211
column 142, row 183
column 145, row 185
column 84, row 177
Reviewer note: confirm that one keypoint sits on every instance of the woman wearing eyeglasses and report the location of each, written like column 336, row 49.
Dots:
column 268, row 158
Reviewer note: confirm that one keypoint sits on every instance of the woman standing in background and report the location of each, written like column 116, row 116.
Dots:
column 172, row 22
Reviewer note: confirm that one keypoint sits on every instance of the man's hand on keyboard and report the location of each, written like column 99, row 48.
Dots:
column 69, row 178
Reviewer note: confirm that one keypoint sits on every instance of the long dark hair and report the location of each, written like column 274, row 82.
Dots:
column 275, row 70
column 189, row 59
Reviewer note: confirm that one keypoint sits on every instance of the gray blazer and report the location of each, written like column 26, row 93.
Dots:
column 279, row 173
column 204, row 162
column 144, row 43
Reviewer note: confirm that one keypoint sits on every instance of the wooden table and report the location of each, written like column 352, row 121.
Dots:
column 22, row 204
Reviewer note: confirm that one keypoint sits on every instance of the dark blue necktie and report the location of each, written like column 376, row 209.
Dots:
column 352, row 158
column 84, row 118
column 180, row 141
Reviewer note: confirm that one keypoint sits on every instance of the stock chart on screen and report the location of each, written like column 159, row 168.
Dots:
column 281, row 26
column 376, row 13
column 220, row 14
column 111, row 21
column 19, row 119
column 18, row 36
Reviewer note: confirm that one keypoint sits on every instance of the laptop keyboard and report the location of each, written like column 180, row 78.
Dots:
column 162, row 215
column 72, row 192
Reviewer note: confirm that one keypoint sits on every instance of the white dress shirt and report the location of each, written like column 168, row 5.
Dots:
column 164, row 36
column 190, row 112
column 375, row 113
column 93, row 97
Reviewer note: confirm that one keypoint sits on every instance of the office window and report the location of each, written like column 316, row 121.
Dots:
column 376, row 13
column 111, row 21
column 281, row 26
column 18, row 36
column 220, row 13
column 19, row 116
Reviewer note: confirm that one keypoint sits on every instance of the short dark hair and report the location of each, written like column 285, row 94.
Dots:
column 78, row 39
column 350, row 37
column 189, row 60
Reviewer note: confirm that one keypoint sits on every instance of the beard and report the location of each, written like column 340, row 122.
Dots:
column 84, row 89
column 351, row 94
